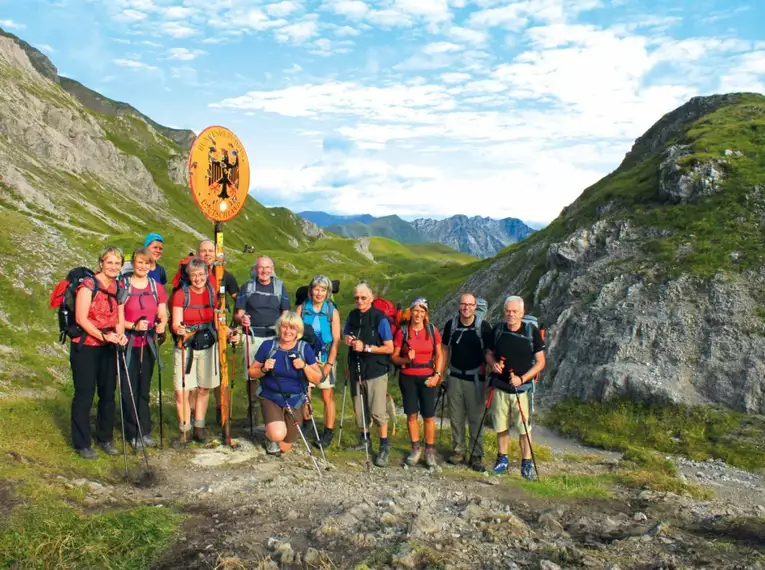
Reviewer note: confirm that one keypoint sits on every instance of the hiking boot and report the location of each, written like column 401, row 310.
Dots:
column 414, row 456
column 149, row 442
column 456, row 458
column 360, row 444
column 476, row 464
column 108, row 448
column 327, row 437
column 501, row 465
column 136, row 444
column 272, row 447
column 430, row 458
column 200, row 434
column 87, row 453
column 382, row 458
column 527, row 469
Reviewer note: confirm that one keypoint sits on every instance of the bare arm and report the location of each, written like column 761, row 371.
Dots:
column 332, row 358
column 399, row 360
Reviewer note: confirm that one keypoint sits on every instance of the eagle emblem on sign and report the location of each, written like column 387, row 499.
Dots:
column 218, row 172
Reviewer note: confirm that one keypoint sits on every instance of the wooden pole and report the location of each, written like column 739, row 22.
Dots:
column 220, row 263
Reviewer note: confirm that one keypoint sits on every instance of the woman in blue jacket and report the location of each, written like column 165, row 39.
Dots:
column 284, row 365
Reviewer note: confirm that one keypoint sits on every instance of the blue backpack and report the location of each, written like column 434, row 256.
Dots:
column 321, row 323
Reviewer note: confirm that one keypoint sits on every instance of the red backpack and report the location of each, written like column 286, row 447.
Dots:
column 391, row 311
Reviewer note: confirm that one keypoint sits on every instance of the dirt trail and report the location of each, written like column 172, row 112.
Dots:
column 255, row 511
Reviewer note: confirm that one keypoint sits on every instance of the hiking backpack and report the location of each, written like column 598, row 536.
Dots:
column 250, row 287
column 391, row 312
column 481, row 308
column 529, row 323
column 323, row 338
column 302, row 294
column 126, row 289
column 63, row 298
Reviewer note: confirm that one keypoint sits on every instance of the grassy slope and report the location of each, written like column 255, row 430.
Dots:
column 50, row 527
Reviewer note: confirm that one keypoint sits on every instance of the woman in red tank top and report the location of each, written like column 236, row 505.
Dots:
column 417, row 350
column 94, row 359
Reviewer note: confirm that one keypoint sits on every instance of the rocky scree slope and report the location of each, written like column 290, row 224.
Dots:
column 651, row 283
column 479, row 236
column 73, row 179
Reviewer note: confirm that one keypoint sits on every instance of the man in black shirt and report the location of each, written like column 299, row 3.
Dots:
column 515, row 358
column 465, row 338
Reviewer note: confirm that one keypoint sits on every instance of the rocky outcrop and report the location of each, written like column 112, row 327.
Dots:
column 362, row 247
column 622, row 319
column 683, row 183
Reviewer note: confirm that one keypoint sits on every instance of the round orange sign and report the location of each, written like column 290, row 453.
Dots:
column 219, row 173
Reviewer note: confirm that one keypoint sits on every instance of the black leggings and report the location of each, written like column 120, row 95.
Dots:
column 140, row 382
column 417, row 397
column 93, row 368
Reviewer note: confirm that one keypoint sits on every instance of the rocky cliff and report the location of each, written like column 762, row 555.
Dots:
column 651, row 283
column 479, row 236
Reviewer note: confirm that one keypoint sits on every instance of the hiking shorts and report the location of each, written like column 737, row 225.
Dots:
column 254, row 344
column 273, row 412
column 375, row 402
column 505, row 414
column 204, row 369
column 329, row 382
column 417, row 396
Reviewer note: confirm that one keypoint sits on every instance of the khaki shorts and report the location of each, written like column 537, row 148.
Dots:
column 204, row 369
column 255, row 342
column 272, row 413
column 329, row 382
column 376, row 403
column 505, row 414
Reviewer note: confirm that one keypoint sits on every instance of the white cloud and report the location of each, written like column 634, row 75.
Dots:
column 467, row 35
column 178, row 31
column 129, row 16
column 343, row 31
column 45, row 48
column 178, row 12
column 133, row 64
column 746, row 73
column 281, row 9
column 298, row 32
column 184, row 54
column 11, row 25
column 350, row 8
column 455, row 77
column 441, row 47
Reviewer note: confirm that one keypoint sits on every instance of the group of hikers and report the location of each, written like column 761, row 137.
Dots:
column 288, row 352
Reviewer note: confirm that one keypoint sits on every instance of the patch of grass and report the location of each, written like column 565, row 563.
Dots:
column 570, row 486
column 55, row 535
column 699, row 433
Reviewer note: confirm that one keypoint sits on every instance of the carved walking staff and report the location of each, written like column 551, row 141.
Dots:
column 219, row 176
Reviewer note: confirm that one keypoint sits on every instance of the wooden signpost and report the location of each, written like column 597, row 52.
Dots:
column 219, row 176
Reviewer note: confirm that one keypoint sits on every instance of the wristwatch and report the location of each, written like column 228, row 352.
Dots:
column 368, row 348
column 437, row 374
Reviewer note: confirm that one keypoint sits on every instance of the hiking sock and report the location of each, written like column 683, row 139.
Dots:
column 430, row 446
column 328, row 429
column 383, row 442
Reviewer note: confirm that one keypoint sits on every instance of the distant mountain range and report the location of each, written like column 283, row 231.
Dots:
column 479, row 236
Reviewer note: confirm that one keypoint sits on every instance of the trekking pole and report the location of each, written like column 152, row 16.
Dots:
column 291, row 412
column 149, row 472
column 363, row 416
column 441, row 398
column 182, row 439
column 526, row 429
column 122, row 418
column 342, row 412
column 161, row 422
column 483, row 419
column 315, row 429
column 249, row 393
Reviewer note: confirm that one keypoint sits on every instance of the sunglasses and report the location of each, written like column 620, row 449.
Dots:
column 359, row 298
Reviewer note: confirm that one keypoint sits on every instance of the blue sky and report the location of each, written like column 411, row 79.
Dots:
column 415, row 107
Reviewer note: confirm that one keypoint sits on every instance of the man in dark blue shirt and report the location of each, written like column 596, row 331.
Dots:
column 259, row 304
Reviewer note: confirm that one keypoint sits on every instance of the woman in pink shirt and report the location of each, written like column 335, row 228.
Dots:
column 144, row 307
